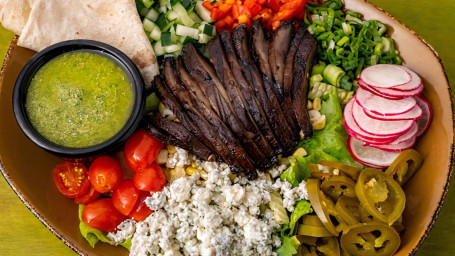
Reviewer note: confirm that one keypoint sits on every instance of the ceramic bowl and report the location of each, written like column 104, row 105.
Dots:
column 425, row 192
column 93, row 47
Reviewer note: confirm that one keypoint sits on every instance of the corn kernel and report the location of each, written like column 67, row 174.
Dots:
column 204, row 175
column 190, row 170
column 300, row 152
column 232, row 176
column 267, row 176
column 317, row 104
column 309, row 105
column 194, row 164
column 162, row 157
column 180, row 171
column 171, row 149
column 319, row 123
column 336, row 172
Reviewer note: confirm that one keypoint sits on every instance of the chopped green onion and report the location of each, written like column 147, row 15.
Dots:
column 318, row 68
column 333, row 74
column 342, row 41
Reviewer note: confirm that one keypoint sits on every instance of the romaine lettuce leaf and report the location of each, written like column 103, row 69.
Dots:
column 289, row 246
column 302, row 207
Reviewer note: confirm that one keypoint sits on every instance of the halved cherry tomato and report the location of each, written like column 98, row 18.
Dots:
column 105, row 174
column 141, row 149
column 125, row 197
column 141, row 211
column 102, row 215
column 151, row 178
column 91, row 196
column 71, row 179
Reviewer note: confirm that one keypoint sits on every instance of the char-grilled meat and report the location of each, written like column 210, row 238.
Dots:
column 271, row 106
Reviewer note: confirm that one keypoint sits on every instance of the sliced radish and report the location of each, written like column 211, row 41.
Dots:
column 425, row 121
column 379, row 127
column 382, row 106
column 353, row 129
column 396, row 147
column 414, row 84
column 370, row 156
column 385, row 76
column 415, row 113
column 412, row 133
column 390, row 93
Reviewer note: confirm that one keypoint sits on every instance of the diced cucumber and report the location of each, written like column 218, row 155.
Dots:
column 183, row 15
column 194, row 17
column 155, row 34
column 148, row 25
column 162, row 8
column 171, row 15
column 172, row 48
column 152, row 15
column 163, row 23
column 187, row 31
column 202, row 12
column 208, row 30
column 166, row 38
column 166, row 3
column 169, row 55
column 203, row 38
column 188, row 5
column 147, row 3
column 158, row 49
column 173, row 2
column 197, row 26
column 174, row 37
column 143, row 12
column 186, row 39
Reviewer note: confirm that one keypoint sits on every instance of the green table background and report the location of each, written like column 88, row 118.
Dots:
column 22, row 234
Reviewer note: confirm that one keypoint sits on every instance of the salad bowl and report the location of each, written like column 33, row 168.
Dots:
column 425, row 192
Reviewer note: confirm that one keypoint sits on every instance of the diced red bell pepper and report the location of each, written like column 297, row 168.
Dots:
column 220, row 25
column 274, row 4
column 242, row 18
column 255, row 9
column 249, row 3
column 225, row 8
column 228, row 20
column 261, row 2
column 229, row 2
column 208, row 5
column 218, row 14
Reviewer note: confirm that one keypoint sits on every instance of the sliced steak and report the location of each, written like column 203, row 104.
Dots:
column 271, row 106
column 302, row 65
column 254, row 106
column 176, row 134
column 278, row 48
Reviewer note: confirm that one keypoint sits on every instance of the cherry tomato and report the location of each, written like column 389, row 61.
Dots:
column 71, row 179
column 102, row 215
column 91, row 196
column 125, row 196
column 141, row 211
column 105, row 174
column 151, row 178
column 141, row 149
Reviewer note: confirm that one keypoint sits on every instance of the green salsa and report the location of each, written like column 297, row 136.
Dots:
column 79, row 99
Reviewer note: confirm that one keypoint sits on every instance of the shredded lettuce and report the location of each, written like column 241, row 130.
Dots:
column 302, row 207
column 326, row 144
column 93, row 235
column 289, row 246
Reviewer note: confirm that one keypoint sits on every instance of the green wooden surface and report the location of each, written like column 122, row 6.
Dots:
column 22, row 234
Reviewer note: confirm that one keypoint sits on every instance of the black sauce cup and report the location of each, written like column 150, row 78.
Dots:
column 112, row 53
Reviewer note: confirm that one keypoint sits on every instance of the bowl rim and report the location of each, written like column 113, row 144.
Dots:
column 412, row 252
column 59, row 49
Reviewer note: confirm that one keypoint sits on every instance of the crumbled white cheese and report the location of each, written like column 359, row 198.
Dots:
column 215, row 217
column 277, row 170
column 180, row 158
column 291, row 195
column 124, row 231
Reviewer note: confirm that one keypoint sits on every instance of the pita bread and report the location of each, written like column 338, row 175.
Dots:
column 14, row 14
column 116, row 23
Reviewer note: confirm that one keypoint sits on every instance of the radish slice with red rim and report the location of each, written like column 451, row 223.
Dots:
column 396, row 147
column 385, row 76
column 390, row 93
column 382, row 106
column 425, row 121
column 356, row 132
column 370, row 156
column 379, row 127
column 415, row 113
column 414, row 84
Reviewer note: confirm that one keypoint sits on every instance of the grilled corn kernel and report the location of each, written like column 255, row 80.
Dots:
column 309, row 105
column 194, row 164
column 267, row 176
column 162, row 157
column 336, row 172
column 190, row 170
column 317, row 104
column 171, row 149
column 300, row 152
column 204, row 175
column 319, row 123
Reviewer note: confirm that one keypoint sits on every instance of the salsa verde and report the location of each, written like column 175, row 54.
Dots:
column 79, row 99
